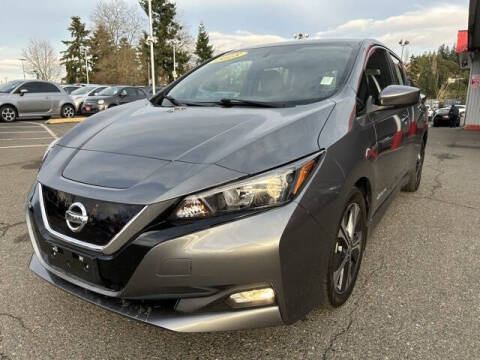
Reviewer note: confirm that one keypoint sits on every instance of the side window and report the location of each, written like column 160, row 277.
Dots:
column 399, row 72
column 378, row 73
column 48, row 88
column 32, row 87
column 131, row 91
column 141, row 93
column 362, row 95
column 95, row 91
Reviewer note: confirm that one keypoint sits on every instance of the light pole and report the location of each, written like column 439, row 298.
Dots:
column 174, row 64
column 151, row 40
column 23, row 66
column 301, row 36
column 86, row 62
column 403, row 43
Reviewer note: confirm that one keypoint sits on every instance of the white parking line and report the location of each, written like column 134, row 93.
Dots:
column 20, row 132
column 22, row 146
column 33, row 138
column 46, row 128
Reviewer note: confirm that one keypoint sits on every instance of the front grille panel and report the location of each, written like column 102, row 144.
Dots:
column 105, row 219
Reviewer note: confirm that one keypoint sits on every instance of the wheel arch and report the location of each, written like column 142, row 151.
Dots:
column 10, row 104
column 365, row 186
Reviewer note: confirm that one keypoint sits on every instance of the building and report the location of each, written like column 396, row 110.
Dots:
column 468, row 48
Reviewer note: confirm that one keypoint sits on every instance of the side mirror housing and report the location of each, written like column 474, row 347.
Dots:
column 399, row 95
column 123, row 93
column 23, row 92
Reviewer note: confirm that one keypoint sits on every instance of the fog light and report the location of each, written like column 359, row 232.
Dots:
column 251, row 298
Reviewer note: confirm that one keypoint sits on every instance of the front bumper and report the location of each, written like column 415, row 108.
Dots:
column 194, row 273
column 89, row 109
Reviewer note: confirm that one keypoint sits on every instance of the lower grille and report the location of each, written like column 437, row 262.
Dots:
column 105, row 219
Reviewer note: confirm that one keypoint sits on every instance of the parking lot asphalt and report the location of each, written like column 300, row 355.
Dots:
column 417, row 295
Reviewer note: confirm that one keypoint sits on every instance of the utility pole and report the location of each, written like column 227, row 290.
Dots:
column 23, row 66
column 403, row 43
column 151, row 40
column 174, row 64
column 86, row 65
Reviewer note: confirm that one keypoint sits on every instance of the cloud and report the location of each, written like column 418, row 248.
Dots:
column 240, row 39
column 425, row 28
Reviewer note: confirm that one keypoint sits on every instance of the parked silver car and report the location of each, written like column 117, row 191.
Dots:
column 81, row 94
column 34, row 98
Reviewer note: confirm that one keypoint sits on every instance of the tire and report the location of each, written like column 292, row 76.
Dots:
column 8, row 113
column 68, row 111
column 435, row 122
column 346, row 256
column 416, row 173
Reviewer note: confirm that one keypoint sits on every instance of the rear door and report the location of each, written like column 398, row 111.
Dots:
column 390, row 125
column 34, row 101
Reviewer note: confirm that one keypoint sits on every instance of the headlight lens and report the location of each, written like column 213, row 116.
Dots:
column 271, row 189
column 50, row 146
column 101, row 102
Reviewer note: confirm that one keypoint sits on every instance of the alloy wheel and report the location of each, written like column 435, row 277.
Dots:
column 419, row 165
column 68, row 111
column 348, row 249
column 8, row 114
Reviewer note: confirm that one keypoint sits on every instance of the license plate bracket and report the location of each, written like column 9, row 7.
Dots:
column 81, row 266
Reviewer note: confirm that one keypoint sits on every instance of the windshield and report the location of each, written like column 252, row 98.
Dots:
column 9, row 86
column 293, row 74
column 110, row 91
column 83, row 90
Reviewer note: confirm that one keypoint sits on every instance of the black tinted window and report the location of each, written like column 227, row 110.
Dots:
column 141, row 93
column 131, row 91
column 48, row 88
column 31, row 87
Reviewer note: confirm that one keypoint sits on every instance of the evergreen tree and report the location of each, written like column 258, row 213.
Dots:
column 203, row 49
column 167, row 32
column 100, row 46
column 74, row 56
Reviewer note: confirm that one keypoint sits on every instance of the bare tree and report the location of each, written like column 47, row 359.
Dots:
column 119, row 19
column 42, row 60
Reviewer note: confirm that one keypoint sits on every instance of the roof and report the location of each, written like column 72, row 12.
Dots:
column 474, row 25
column 351, row 42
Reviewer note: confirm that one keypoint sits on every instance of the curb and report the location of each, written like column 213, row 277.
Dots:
column 65, row 120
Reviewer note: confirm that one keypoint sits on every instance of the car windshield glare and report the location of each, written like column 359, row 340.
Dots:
column 288, row 74
column 110, row 91
column 83, row 90
column 9, row 86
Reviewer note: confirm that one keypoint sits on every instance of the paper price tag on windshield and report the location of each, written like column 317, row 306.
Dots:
column 229, row 56
column 327, row 80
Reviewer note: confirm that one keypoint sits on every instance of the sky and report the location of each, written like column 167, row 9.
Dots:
column 238, row 23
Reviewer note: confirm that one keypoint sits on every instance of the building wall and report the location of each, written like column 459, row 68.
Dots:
column 472, row 119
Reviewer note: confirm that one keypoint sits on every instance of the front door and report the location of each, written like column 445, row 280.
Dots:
column 34, row 100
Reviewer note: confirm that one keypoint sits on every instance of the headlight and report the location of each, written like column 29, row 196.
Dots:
column 101, row 102
column 50, row 146
column 270, row 189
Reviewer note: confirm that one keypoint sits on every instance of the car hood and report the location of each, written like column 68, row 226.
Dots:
column 190, row 148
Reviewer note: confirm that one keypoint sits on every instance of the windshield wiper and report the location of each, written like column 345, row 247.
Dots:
column 173, row 100
column 232, row 102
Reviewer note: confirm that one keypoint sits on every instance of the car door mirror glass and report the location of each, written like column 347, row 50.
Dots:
column 399, row 95
column 23, row 92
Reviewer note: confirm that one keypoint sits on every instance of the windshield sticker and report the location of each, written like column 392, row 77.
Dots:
column 327, row 80
column 230, row 56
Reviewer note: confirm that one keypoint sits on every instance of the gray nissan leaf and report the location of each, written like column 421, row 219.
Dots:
column 240, row 196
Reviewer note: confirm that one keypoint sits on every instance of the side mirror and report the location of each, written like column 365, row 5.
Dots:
column 399, row 95
column 123, row 93
column 23, row 92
